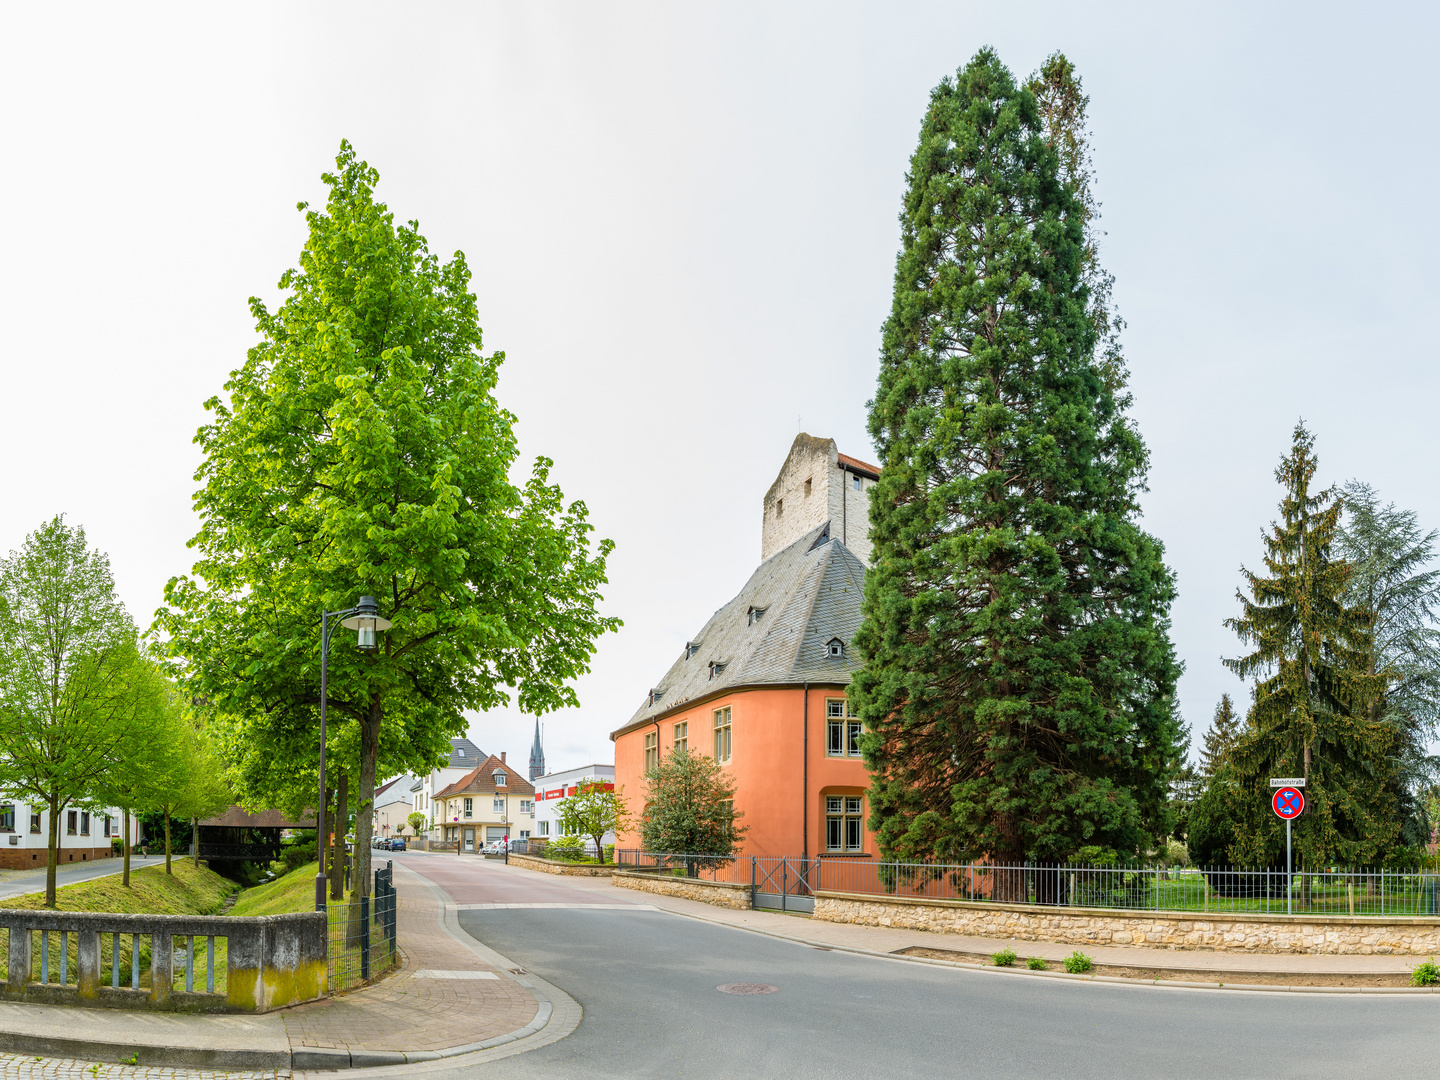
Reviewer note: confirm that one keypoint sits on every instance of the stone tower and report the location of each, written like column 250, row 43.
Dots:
column 817, row 484
column 537, row 755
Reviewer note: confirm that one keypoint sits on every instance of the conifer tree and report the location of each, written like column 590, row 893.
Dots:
column 1224, row 730
column 1018, row 674
column 1317, row 691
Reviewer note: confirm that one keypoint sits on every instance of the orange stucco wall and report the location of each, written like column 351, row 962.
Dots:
column 766, row 762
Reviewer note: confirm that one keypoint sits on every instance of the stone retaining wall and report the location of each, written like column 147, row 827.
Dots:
column 1258, row 933
column 720, row 893
column 556, row 866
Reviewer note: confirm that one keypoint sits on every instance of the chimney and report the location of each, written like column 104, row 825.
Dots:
column 502, row 757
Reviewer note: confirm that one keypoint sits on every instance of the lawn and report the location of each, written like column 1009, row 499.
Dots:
column 294, row 892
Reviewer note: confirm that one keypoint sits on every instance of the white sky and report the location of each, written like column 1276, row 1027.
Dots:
column 682, row 220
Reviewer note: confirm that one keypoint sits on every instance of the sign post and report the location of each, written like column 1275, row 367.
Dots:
column 1288, row 802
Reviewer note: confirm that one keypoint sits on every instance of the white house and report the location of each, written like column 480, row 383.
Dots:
column 550, row 789
column 394, row 803
column 465, row 758
column 84, row 834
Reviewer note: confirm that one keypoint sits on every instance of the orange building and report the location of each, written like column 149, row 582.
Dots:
column 762, row 686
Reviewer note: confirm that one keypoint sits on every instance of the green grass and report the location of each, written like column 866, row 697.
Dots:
column 293, row 892
column 189, row 890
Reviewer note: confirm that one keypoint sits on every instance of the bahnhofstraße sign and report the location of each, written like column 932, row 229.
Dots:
column 1287, row 781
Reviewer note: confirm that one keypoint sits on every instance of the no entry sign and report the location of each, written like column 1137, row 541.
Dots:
column 1288, row 803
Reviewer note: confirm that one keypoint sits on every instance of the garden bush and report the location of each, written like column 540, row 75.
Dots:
column 1035, row 963
column 1077, row 963
column 1426, row 974
column 566, row 848
column 1003, row 958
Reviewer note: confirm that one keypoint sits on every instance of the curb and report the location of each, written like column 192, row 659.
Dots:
column 117, row 1053
column 1018, row 973
column 310, row 1057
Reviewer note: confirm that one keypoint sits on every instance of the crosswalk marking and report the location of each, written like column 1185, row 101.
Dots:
column 582, row 907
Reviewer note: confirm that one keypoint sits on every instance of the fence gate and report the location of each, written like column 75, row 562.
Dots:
column 782, row 884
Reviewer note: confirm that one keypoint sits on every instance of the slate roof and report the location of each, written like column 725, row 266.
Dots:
column 464, row 754
column 481, row 781
column 810, row 593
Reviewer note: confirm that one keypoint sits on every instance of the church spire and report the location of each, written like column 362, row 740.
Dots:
column 537, row 755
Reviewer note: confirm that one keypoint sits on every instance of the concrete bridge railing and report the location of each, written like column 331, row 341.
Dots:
column 258, row 964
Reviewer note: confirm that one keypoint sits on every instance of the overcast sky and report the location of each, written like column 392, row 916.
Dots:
column 682, row 222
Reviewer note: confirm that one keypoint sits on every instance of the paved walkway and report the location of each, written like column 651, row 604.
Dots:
column 20, row 882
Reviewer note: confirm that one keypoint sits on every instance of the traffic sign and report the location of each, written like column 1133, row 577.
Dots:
column 1288, row 803
column 1287, row 781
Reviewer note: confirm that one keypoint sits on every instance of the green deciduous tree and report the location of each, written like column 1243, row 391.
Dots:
column 690, row 810
column 417, row 821
column 1224, row 730
column 592, row 811
column 73, row 686
column 1315, row 691
column 360, row 450
column 1018, row 679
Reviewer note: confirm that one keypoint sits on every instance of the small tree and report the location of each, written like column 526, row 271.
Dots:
column 593, row 811
column 417, row 821
column 690, row 810
column 1224, row 730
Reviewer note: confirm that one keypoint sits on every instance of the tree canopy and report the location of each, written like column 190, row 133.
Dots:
column 592, row 811
column 360, row 450
column 690, row 809
column 1018, row 675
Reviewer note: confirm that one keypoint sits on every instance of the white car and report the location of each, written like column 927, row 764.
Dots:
column 494, row 847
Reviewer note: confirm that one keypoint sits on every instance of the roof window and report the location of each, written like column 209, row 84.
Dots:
column 835, row 649
column 691, row 648
column 500, row 779
column 655, row 696
column 716, row 668
column 755, row 614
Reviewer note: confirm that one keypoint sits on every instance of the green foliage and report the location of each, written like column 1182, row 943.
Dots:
column 1035, row 963
column 568, row 848
column 609, row 850
column 360, row 450
column 690, row 809
column 592, row 811
column 1426, row 974
column 76, row 696
column 1316, row 691
column 1221, row 738
column 1018, row 680
column 1003, row 958
column 1077, row 963
column 416, row 820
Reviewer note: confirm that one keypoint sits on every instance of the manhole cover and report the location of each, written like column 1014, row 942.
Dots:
column 747, row 988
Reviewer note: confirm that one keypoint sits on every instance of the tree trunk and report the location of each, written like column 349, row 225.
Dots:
column 195, row 842
column 337, row 856
column 364, row 815
column 52, row 857
column 167, row 843
column 125, row 841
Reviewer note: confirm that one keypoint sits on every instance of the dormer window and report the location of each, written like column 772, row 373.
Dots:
column 755, row 614
column 499, row 779
column 716, row 668
column 835, row 649
column 691, row 648
column 655, row 696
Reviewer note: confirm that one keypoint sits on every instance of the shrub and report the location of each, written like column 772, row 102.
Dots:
column 1003, row 958
column 117, row 846
column 1035, row 963
column 1077, row 963
column 567, row 848
column 1426, row 974
column 610, row 853
column 1176, row 854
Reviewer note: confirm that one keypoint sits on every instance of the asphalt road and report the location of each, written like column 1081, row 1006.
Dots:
column 29, row 881
column 647, row 981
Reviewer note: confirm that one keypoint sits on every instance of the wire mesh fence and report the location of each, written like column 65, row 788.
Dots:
column 361, row 935
column 1380, row 891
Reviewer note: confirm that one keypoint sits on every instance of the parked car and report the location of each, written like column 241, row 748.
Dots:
column 395, row 843
column 494, row 847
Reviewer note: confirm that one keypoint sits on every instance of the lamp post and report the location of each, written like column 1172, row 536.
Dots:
column 364, row 618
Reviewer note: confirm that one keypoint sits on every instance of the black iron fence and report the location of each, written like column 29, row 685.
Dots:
column 790, row 882
column 361, row 934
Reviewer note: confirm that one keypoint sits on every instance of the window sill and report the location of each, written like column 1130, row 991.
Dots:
column 844, row 855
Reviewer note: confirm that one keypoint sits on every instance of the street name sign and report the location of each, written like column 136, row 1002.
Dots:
column 1287, row 781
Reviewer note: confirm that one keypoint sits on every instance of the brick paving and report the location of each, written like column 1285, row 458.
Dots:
column 24, row 1067
column 410, row 1011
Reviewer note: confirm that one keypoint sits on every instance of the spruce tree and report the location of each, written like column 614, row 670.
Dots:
column 1224, row 730
column 1018, row 673
column 1316, row 693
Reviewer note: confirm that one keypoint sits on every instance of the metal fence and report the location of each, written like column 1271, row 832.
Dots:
column 789, row 883
column 361, row 935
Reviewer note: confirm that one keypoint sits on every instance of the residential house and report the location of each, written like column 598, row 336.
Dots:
column 761, row 687
column 465, row 756
column 488, row 804
column 394, row 803
column 85, row 834
column 550, row 789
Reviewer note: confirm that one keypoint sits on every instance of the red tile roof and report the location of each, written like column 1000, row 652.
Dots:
column 856, row 465
column 481, row 779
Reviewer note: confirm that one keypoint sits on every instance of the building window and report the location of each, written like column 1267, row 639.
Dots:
column 469, row 807
column 756, row 613
column 84, row 822
column 499, row 805
column 524, row 834
column 844, row 830
column 842, row 729
column 652, row 751
column 716, row 668
column 691, row 648
column 7, row 817
column 807, row 489
column 835, row 648
column 500, row 779
column 70, row 822
column 655, row 696
column 722, row 734
column 526, row 806
column 544, row 828
column 107, row 824
column 682, row 736
column 857, row 483
column 35, row 822
column 779, row 508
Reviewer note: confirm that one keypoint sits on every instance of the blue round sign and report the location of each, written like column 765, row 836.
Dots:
column 1288, row 802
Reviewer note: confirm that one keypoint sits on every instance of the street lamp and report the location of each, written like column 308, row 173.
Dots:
column 364, row 618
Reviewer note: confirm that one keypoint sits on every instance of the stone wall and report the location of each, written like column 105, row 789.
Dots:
column 719, row 893
column 555, row 866
column 1258, row 933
